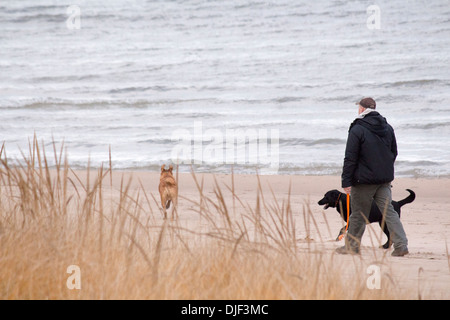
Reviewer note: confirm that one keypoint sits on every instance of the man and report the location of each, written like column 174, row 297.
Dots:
column 367, row 175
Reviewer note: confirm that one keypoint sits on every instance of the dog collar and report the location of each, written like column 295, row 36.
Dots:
column 337, row 201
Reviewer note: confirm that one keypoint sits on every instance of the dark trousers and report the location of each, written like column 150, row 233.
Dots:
column 362, row 197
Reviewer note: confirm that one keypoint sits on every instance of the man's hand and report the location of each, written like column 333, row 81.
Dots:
column 348, row 190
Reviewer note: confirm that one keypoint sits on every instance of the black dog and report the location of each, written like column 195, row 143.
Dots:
column 334, row 197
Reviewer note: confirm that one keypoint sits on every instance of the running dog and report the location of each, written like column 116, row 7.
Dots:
column 168, row 190
column 333, row 197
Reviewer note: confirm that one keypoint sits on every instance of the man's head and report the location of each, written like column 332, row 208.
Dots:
column 366, row 103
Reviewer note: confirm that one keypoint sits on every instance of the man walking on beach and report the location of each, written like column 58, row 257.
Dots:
column 367, row 175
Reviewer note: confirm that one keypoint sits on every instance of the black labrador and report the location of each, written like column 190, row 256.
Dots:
column 333, row 197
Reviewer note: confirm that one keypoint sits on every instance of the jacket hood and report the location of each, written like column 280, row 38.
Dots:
column 374, row 122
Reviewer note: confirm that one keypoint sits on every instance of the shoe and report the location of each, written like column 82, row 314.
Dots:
column 345, row 250
column 400, row 252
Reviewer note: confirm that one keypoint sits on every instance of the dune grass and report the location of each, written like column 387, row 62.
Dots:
column 53, row 218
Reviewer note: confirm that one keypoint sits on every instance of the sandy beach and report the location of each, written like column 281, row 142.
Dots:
column 234, row 237
column 425, row 271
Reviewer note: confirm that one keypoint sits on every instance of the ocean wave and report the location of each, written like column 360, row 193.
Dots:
column 310, row 169
column 313, row 168
column 140, row 89
column 47, row 17
column 422, row 168
column 58, row 13
column 311, row 142
column 318, row 169
column 157, row 140
column 31, row 8
column 287, row 99
column 418, row 163
column 83, row 160
column 426, row 126
column 51, row 103
column 414, row 83
column 339, row 98
column 422, row 173
column 62, row 79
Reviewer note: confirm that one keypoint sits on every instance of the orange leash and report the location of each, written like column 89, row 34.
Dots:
column 348, row 216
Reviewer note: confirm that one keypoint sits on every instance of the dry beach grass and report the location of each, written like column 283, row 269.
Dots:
column 236, row 237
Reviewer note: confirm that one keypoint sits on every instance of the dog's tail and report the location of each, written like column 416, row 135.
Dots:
column 408, row 199
column 168, row 202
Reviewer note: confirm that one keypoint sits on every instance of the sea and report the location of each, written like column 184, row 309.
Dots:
column 146, row 83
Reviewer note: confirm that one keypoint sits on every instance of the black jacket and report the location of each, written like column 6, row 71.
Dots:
column 370, row 152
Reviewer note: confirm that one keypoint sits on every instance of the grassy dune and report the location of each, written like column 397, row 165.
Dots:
column 53, row 218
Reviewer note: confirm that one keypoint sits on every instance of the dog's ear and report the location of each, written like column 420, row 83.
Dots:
column 162, row 167
column 170, row 168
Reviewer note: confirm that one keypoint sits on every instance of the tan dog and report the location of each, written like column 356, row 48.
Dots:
column 168, row 190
